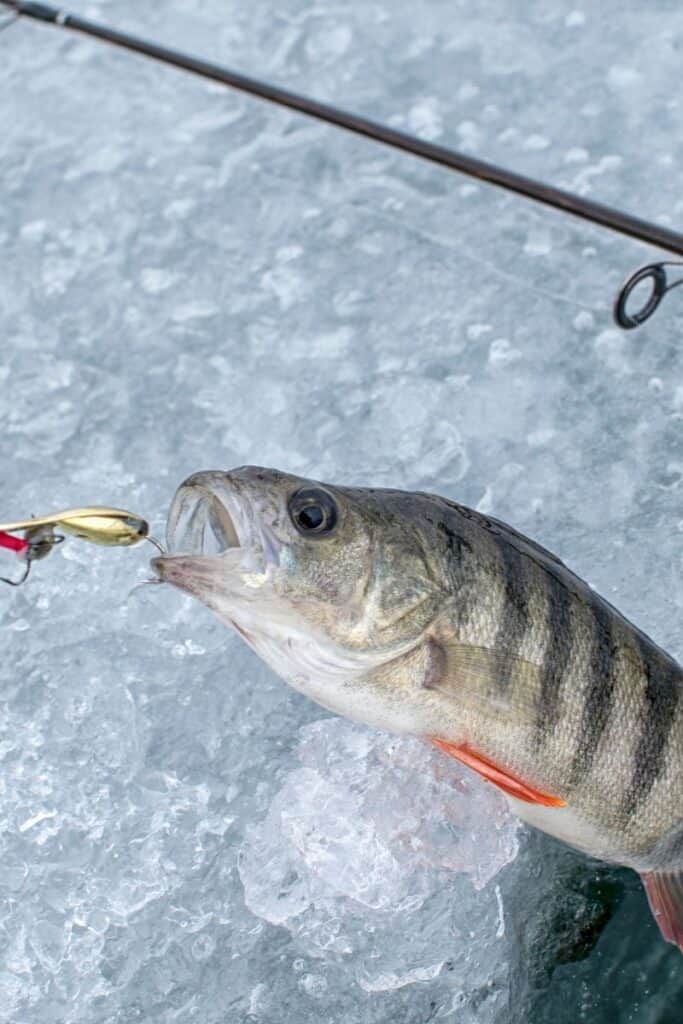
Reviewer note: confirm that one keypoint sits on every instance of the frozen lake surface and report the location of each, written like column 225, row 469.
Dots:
column 192, row 279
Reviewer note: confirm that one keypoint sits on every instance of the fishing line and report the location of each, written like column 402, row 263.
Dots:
column 454, row 160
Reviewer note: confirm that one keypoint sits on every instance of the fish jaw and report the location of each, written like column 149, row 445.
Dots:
column 319, row 670
column 212, row 513
column 339, row 680
column 220, row 550
column 213, row 579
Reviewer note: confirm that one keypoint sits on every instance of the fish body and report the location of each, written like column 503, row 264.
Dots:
column 418, row 615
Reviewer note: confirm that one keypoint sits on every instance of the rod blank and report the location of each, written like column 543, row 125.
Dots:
column 559, row 199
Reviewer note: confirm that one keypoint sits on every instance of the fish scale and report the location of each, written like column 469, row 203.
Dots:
column 660, row 705
column 600, row 692
column 514, row 622
column 555, row 657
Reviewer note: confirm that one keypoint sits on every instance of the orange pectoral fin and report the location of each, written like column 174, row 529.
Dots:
column 501, row 778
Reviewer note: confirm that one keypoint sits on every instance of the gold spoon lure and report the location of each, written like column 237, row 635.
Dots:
column 110, row 527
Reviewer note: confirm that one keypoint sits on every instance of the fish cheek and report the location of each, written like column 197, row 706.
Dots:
column 325, row 580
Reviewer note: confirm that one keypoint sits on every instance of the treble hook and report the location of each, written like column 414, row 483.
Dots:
column 37, row 543
column 660, row 286
column 22, row 579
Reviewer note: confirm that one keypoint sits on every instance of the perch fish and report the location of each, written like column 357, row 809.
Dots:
column 418, row 615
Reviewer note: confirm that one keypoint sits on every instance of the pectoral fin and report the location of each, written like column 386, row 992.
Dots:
column 665, row 894
column 499, row 776
column 480, row 676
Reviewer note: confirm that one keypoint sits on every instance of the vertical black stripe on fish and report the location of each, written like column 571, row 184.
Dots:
column 660, row 702
column 599, row 693
column 556, row 656
column 515, row 611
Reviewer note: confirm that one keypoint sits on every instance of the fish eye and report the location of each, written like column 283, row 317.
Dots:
column 313, row 511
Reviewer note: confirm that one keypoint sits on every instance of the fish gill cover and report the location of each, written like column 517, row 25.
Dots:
column 192, row 279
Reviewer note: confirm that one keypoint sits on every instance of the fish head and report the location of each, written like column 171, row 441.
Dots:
column 319, row 579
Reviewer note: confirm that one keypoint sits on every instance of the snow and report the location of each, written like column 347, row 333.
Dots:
column 192, row 280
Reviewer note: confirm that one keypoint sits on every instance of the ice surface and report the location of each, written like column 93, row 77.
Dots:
column 190, row 280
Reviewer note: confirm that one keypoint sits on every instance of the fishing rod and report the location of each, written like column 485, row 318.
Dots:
column 549, row 195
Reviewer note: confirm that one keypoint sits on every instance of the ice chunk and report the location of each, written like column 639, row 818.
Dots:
column 369, row 832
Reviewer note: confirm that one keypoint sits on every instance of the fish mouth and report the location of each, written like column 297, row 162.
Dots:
column 213, row 534
column 206, row 518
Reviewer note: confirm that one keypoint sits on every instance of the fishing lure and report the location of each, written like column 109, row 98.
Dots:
column 108, row 527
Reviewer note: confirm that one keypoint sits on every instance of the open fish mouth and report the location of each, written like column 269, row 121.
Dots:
column 215, row 538
column 206, row 517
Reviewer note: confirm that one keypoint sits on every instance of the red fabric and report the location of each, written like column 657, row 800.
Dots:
column 8, row 540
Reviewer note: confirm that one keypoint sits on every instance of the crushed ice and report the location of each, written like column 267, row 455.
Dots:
column 366, row 832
